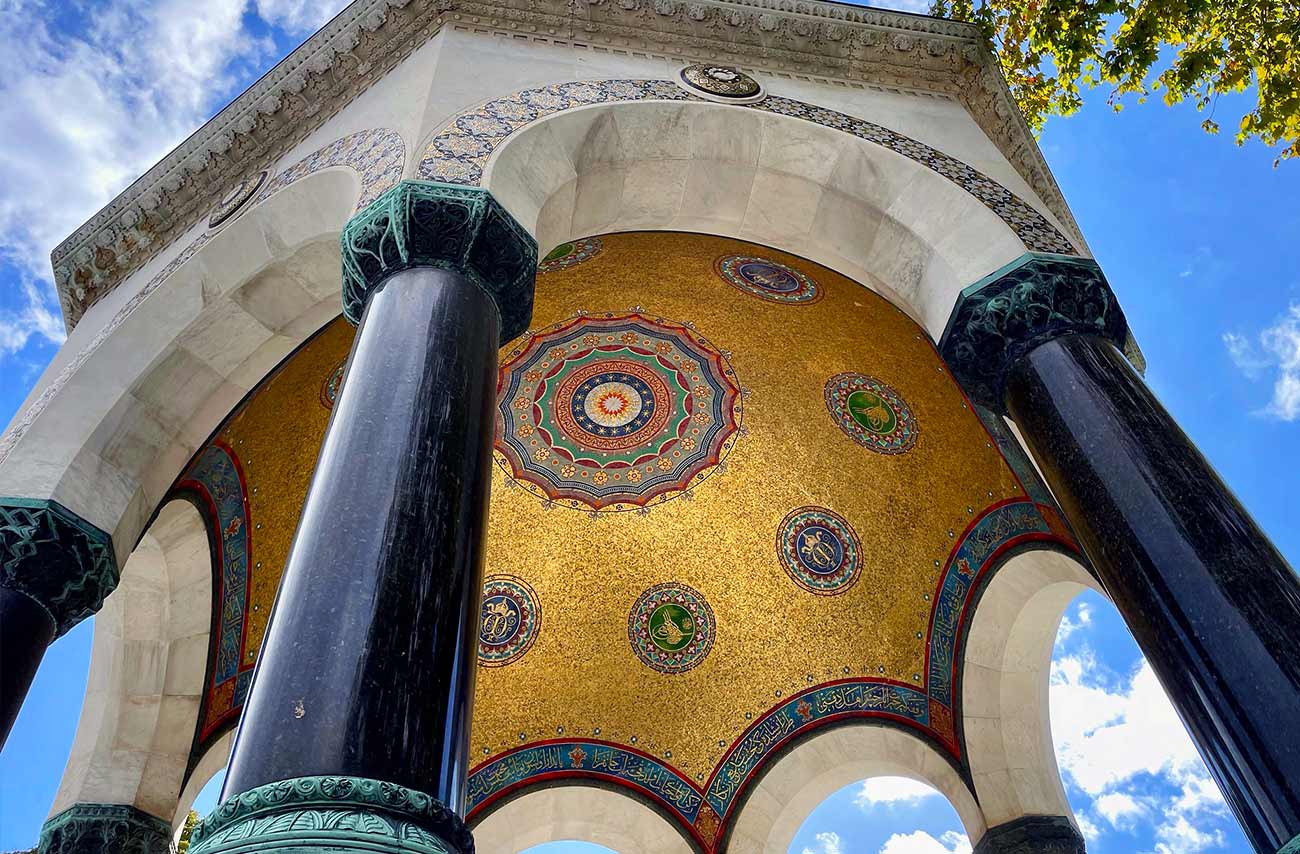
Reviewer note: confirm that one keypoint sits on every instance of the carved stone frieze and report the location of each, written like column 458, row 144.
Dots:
column 369, row 37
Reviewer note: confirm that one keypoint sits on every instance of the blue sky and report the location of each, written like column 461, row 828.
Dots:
column 1196, row 235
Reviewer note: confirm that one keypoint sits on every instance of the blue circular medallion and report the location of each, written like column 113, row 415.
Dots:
column 612, row 404
column 509, row 620
column 818, row 550
column 768, row 279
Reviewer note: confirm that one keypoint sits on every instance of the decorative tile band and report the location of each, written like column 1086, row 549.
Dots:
column 460, row 152
column 216, row 480
column 376, row 155
column 928, row 706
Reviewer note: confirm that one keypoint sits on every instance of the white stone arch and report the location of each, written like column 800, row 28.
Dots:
column 119, row 420
column 148, row 662
column 214, row 760
column 791, row 787
column 1006, row 668
column 578, row 811
column 874, row 215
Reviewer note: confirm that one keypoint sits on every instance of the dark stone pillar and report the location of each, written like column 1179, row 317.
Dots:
column 1032, row 834
column 360, row 703
column 105, row 829
column 1213, row 605
column 55, row 570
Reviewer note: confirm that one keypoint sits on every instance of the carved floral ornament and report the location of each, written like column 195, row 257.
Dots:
column 370, row 37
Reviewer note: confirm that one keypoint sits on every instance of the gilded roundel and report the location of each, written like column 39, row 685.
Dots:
column 511, row 619
column 615, row 411
column 671, row 628
column 819, row 550
column 767, row 279
column 871, row 413
column 569, row 254
column 329, row 388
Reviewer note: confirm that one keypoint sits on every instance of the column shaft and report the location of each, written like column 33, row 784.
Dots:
column 1213, row 605
column 367, row 667
column 26, row 629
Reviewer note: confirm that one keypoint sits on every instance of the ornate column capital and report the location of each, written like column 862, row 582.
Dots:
column 1028, row 302
column 1032, row 834
column 105, row 829
column 429, row 224
column 340, row 814
column 56, row 558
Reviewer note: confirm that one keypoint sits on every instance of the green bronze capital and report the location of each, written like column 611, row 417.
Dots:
column 105, row 829
column 341, row 815
column 1032, row 300
column 52, row 555
column 448, row 226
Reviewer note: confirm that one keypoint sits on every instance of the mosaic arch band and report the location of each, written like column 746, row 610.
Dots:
column 720, row 474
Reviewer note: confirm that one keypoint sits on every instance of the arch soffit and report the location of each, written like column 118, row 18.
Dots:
column 1006, row 667
column 925, row 222
column 147, row 669
column 111, row 431
column 829, row 759
column 614, row 818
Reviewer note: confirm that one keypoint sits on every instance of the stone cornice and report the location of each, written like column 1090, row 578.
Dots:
column 369, row 37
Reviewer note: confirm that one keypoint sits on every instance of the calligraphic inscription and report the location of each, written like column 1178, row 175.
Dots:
column 586, row 759
column 329, row 387
column 806, row 710
column 615, row 411
column 999, row 527
column 510, row 620
column 570, row 254
column 671, row 628
column 871, row 413
column 819, row 550
column 767, row 279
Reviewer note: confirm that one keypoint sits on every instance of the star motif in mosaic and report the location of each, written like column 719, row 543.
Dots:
column 671, row 628
column 819, row 550
column 570, row 254
column 510, row 620
column 329, row 387
column 615, row 411
column 871, row 413
column 767, row 279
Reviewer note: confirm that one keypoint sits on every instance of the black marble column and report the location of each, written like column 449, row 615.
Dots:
column 1032, row 834
column 1213, row 605
column 362, row 691
column 55, row 570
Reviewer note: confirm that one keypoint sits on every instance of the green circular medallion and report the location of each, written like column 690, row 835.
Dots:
column 671, row 627
column 872, row 412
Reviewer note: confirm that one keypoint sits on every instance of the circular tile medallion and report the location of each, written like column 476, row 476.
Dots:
column 722, row 81
column 511, row 619
column 236, row 199
column 329, row 389
column 871, row 413
column 569, row 254
column 819, row 550
column 615, row 411
column 768, row 279
column 671, row 628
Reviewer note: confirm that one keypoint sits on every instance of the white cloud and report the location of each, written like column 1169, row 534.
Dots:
column 920, row 842
column 299, row 17
column 1278, row 348
column 827, row 843
column 892, row 790
column 34, row 317
column 1180, row 836
column 1120, row 809
column 1082, row 619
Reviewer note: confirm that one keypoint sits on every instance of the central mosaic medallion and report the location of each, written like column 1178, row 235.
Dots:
column 768, row 279
column 509, row 622
column 671, row 628
column 569, row 254
column 819, row 550
column 871, row 413
column 615, row 411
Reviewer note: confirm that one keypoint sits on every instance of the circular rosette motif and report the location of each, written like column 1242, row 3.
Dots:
column 671, row 628
column 569, row 254
column 871, row 413
column 510, row 620
column 819, row 550
column 768, row 279
column 329, row 388
column 615, row 411
column 723, row 81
